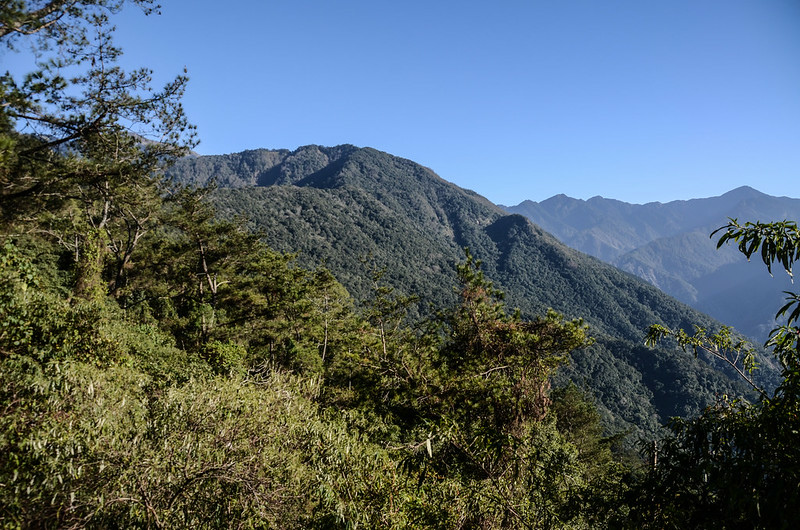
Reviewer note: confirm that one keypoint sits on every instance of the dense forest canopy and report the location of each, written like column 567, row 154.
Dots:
column 161, row 366
column 347, row 206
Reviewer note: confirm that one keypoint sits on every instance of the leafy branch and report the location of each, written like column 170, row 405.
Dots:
column 778, row 242
column 736, row 353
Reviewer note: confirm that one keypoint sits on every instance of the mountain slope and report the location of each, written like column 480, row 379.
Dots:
column 669, row 246
column 341, row 206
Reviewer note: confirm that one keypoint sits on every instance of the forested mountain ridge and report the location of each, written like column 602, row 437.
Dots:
column 344, row 205
column 669, row 246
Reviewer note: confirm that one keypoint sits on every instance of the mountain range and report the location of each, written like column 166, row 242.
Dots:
column 355, row 210
column 669, row 246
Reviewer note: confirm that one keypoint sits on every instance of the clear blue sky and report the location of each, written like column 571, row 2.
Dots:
column 633, row 100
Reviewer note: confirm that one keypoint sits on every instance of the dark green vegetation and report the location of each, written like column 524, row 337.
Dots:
column 355, row 210
column 161, row 366
column 668, row 245
column 737, row 465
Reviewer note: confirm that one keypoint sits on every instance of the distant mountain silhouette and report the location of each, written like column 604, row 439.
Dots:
column 669, row 246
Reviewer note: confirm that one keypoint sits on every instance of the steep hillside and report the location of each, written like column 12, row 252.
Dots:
column 354, row 209
column 668, row 245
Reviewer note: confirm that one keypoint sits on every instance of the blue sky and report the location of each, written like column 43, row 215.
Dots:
column 632, row 100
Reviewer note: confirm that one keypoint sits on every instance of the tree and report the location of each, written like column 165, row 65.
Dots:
column 487, row 411
column 500, row 359
column 83, row 139
column 738, row 464
column 55, row 20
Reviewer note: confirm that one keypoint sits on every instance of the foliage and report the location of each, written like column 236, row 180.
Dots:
column 109, row 423
column 56, row 21
column 778, row 242
column 723, row 345
column 89, row 447
column 471, row 396
column 81, row 138
column 736, row 465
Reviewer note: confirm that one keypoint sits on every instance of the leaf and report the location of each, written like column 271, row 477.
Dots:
column 794, row 300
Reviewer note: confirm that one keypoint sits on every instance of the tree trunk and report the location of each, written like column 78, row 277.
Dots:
column 89, row 283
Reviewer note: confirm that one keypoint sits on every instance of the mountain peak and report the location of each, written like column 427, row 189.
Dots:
column 743, row 192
